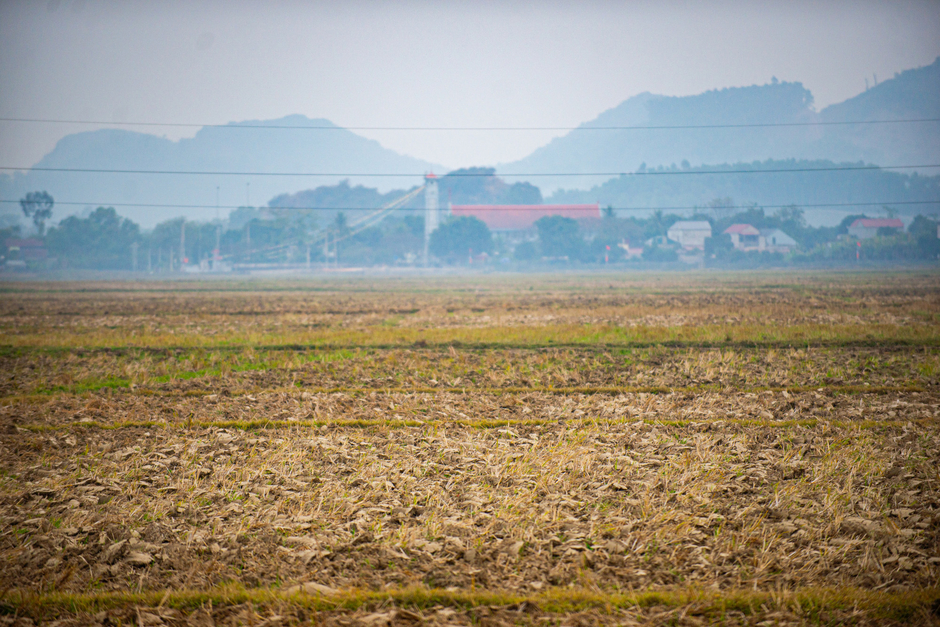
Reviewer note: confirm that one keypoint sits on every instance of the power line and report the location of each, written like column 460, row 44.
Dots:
column 471, row 174
column 505, row 208
column 470, row 128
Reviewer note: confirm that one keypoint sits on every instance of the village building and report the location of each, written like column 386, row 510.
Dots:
column 749, row 238
column 744, row 236
column 776, row 241
column 690, row 234
column 866, row 228
column 20, row 252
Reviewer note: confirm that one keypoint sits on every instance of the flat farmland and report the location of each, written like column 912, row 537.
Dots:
column 680, row 449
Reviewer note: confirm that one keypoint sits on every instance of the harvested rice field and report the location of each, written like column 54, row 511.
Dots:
column 735, row 449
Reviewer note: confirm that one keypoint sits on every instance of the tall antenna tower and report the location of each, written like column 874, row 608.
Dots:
column 432, row 214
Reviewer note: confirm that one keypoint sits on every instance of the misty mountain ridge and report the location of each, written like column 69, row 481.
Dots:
column 912, row 94
column 678, row 187
column 248, row 149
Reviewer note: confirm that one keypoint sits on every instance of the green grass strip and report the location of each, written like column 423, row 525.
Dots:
column 585, row 346
column 885, row 605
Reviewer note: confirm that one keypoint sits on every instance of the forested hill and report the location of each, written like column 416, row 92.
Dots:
column 911, row 94
column 237, row 147
column 680, row 187
column 463, row 186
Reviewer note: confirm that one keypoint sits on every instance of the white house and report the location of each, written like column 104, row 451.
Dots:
column 746, row 237
column 776, row 241
column 690, row 233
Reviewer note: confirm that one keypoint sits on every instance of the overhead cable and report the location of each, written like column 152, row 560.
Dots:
column 236, row 125
column 459, row 174
column 507, row 208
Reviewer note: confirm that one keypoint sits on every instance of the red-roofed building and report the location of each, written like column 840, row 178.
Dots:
column 744, row 236
column 523, row 217
column 866, row 228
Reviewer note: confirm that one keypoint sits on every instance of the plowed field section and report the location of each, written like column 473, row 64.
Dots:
column 745, row 450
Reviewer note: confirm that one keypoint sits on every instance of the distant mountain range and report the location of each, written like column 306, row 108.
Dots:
column 771, row 184
column 215, row 149
column 242, row 147
column 913, row 94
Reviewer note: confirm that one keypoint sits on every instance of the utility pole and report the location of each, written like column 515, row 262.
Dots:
column 217, row 202
column 134, row 256
column 149, row 264
column 248, row 239
column 217, row 253
column 182, row 243
column 308, row 256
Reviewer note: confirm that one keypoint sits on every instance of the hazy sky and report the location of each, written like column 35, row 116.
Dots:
column 426, row 63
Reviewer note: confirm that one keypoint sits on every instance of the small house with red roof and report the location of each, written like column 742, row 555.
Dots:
column 866, row 228
column 744, row 236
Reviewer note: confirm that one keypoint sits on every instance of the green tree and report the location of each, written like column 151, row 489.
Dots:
column 924, row 232
column 38, row 206
column 718, row 244
column 660, row 254
column 101, row 241
column 790, row 218
column 414, row 224
column 721, row 208
column 526, row 251
column 559, row 237
column 460, row 237
column 923, row 227
column 164, row 243
column 340, row 223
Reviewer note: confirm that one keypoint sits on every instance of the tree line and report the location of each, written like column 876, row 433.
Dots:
column 104, row 240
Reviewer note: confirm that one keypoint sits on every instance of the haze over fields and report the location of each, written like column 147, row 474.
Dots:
column 399, row 93
column 278, row 146
column 415, row 313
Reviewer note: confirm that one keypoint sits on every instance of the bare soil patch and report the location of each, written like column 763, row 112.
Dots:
column 499, row 480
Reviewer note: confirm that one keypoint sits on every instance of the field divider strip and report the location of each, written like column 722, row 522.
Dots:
column 896, row 605
column 586, row 346
column 255, row 425
column 465, row 390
